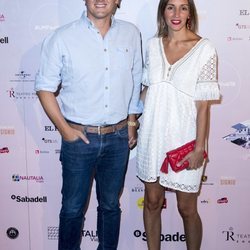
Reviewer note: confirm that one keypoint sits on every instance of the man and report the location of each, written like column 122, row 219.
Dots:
column 97, row 61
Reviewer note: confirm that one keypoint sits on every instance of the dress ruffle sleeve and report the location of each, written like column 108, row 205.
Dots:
column 207, row 85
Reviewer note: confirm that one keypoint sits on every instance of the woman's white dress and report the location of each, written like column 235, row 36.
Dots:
column 169, row 117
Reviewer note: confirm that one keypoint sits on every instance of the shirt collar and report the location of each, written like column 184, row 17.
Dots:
column 89, row 23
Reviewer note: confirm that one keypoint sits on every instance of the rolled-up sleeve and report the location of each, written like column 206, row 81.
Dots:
column 135, row 106
column 49, row 74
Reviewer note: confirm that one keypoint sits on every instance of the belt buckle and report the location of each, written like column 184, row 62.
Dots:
column 99, row 130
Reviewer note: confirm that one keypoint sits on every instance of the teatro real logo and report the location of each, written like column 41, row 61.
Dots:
column 21, row 95
column 231, row 236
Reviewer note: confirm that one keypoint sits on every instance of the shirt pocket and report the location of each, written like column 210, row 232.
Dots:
column 122, row 58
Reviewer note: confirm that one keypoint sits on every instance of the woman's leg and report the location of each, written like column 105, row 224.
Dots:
column 187, row 206
column 153, row 201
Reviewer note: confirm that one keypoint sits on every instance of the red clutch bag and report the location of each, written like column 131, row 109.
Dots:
column 176, row 155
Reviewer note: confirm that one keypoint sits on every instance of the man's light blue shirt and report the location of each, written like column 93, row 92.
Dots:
column 100, row 77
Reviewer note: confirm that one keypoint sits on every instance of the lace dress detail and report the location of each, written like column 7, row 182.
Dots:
column 208, row 71
column 169, row 117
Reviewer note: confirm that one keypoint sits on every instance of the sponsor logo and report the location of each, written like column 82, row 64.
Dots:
column 228, row 182
column 222, row 200
column 2, row 18
column 177, row 237
column 4, row 150
column 232, row 39
column 137, row 189
column 91, row 234
column 243, row 26
column 53, row 233
column 205, row 201
column 244, row 12
column 4, row 40
column 38, row 151
column 7, row 131
column 45, row 140
column 57, row 151
column 45, row 27
column 18, row 178
column 12, row 233
column 231, row 236
column 22, row 76
column 228, row 84
column 241, row 135
column 140, row 202
column 50, row 128
column 205, row 181
column 21, row 95
column 36, row 199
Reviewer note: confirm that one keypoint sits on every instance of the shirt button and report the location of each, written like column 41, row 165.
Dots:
column 106, row 87
column 107, row 68
column 106, row 106
column 105, row 50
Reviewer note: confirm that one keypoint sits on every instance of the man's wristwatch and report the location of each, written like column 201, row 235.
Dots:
column 133, row 124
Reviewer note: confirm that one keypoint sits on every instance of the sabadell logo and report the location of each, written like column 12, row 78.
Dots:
column 36, row 199
column 177, row 237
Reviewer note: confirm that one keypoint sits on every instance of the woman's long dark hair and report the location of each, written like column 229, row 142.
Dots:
column 162, row 26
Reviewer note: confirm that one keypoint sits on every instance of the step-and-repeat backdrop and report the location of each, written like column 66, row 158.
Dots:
column 30, row 172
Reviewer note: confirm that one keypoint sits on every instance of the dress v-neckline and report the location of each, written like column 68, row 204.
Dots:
column 183, row 57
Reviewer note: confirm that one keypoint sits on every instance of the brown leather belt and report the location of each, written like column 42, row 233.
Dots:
column 100, row 130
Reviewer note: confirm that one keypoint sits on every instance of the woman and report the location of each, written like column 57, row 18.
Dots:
column 180, row 78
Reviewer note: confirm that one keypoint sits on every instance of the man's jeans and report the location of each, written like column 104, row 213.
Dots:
column 105, row 158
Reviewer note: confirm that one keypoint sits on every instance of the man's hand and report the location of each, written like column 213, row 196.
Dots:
column 132, row 136
column 73, row 134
